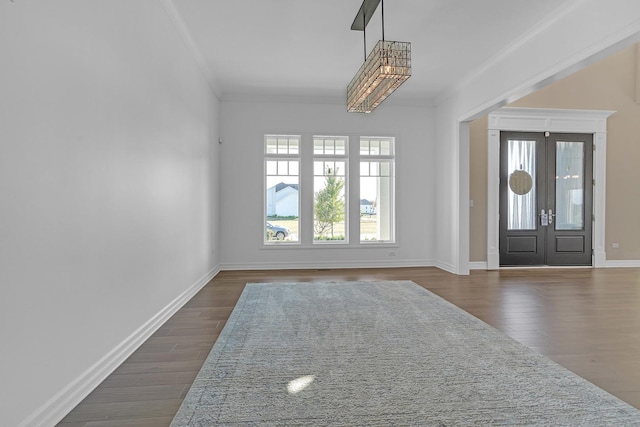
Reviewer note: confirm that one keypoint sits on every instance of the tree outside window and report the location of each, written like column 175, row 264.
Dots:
column 329, row 207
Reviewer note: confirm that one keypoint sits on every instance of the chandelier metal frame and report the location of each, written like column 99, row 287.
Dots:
column 383, row 71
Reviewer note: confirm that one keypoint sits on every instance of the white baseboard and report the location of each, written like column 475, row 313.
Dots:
column 622, row 263
column 320, row 265
column 481, row 265
column 70, row 396
column 450, row 268
column 478, row 265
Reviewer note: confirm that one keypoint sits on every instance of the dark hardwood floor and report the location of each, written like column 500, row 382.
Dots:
column 587, row 320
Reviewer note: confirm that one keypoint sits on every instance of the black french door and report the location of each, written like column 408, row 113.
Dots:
column 546, row 198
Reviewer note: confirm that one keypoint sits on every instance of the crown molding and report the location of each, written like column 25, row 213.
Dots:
column 265, row 97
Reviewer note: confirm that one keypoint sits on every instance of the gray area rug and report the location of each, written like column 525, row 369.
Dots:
column 380, row 354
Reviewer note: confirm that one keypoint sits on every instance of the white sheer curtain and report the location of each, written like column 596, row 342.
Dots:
column 569, row 185
column 521, row 211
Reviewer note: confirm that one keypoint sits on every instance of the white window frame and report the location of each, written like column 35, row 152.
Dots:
column 281, row 157
column 332, row 158
column 391, row 158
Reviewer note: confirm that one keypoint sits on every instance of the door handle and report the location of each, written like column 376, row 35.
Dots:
column 544, row 218
column 551, row 215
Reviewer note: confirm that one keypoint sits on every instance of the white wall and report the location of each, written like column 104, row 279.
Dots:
column 244, row 125
column 108, row 192
column 582, row 33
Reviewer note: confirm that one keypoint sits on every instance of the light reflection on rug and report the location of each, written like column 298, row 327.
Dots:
column 379, row 354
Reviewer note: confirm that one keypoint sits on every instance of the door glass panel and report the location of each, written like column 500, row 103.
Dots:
column 569, row 185
column 521, row 191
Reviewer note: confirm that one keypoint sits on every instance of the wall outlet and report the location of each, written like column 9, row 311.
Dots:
column 615, row 245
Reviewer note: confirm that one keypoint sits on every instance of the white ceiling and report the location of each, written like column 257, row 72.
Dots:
column 305, row 48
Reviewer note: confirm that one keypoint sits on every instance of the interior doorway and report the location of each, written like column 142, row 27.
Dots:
column 546, row 194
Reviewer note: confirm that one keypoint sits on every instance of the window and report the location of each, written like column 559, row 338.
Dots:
column 307, row 190
column 282, row 188
column 330, row 157
column 377, row 208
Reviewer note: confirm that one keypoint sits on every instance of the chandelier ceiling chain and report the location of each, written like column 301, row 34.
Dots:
column 383, row 71
column 382, row 12
column 364, row 26
column 364, row 33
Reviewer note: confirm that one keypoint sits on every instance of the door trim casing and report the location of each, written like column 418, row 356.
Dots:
column 554, row 121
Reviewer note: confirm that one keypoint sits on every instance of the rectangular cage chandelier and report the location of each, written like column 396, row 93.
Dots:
column 383, row 71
